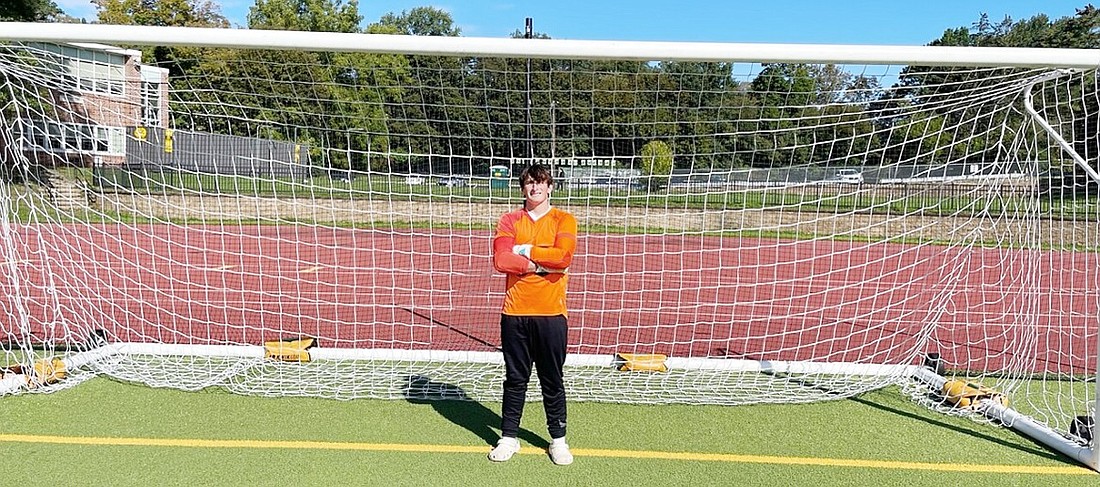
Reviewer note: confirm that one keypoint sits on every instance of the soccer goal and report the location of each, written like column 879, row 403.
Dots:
column 311, row 214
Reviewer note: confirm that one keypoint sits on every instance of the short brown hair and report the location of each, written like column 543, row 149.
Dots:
column 536, row 173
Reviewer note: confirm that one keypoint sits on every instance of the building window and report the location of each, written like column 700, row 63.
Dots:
column 88, row 70
column 150, row 104
column 48, row 136
column 94, row 77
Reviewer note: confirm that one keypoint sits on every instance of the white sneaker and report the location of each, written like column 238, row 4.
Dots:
column 506, row 447
column 560, row 454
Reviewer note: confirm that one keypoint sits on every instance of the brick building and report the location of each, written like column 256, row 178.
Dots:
column 97, row 95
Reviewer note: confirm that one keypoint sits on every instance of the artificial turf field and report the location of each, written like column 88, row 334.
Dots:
column 104, row 432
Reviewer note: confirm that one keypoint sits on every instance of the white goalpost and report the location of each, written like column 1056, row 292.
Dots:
column 311, row 214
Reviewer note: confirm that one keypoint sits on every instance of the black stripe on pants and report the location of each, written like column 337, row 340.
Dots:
column 538, row 340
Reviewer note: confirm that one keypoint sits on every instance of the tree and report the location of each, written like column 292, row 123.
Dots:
column 29, row 11
column 929, row 86
column 305, row 15
column 422, row 21
column 782, row 90
column 173, row 13
column 337, row 97
column 656, row 157
column 429, row 110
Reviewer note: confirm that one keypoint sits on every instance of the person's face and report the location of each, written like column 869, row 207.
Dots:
column 536, row 192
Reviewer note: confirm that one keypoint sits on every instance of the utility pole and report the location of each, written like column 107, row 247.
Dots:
column 528, row 34
column 553, row 137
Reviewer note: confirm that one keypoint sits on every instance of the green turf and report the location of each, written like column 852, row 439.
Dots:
column 881, row 426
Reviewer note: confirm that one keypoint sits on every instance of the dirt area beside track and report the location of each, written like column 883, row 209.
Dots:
column 860, row 225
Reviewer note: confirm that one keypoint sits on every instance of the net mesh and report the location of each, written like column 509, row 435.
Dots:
column 730, row 213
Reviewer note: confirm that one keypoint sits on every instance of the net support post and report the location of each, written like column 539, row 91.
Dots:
column 1093, row 459
column 1042, row 433
column 1094, row 441
column 1029, row 105
column 995, row 410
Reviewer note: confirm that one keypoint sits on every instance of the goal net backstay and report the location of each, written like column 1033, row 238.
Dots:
column 311, row 214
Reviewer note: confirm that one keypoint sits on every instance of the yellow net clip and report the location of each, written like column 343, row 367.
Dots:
column 641, row 362
column 289, row 350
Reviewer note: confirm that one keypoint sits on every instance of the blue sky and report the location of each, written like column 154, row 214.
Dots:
column 778, row 21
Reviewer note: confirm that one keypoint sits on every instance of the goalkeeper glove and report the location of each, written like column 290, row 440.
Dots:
column 524, row 250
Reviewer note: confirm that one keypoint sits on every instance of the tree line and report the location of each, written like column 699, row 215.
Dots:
column 457, row 115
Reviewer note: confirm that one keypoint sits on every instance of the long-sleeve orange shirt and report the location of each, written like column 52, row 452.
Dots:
column 553, row 238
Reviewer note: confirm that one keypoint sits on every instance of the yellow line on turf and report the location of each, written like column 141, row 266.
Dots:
column 835, row 462
column 579, row 452
column 198, row 443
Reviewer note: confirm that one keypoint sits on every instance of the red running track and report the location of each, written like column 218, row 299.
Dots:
column 682, row 295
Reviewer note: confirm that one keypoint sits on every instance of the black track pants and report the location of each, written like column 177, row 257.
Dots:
column 537, row 340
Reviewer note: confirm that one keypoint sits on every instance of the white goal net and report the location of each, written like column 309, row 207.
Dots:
column 754, row 228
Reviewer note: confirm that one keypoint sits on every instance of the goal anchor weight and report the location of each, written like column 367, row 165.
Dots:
column 292, row 350
column 641, row 362
column 51, row 370
column 40, row 373
column 964, row 394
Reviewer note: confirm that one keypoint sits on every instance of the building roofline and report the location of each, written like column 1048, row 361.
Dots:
column 106, row 48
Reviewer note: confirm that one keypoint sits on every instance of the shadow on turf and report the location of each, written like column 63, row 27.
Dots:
column 1038, row 451
column 451, row 402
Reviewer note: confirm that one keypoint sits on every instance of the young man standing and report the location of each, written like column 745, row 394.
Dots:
column 534, row 246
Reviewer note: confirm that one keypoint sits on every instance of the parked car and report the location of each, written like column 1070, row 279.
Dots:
column 848, row 176
column 454, row 181
column 414, row 180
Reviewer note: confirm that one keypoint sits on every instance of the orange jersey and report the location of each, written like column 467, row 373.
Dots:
column 553, row 238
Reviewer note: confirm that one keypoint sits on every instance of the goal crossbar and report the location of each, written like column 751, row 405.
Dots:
column 555, row 48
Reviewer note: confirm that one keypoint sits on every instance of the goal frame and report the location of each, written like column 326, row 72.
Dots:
column 590, row 49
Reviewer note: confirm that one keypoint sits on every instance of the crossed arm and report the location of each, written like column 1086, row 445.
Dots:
column 554, row 258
